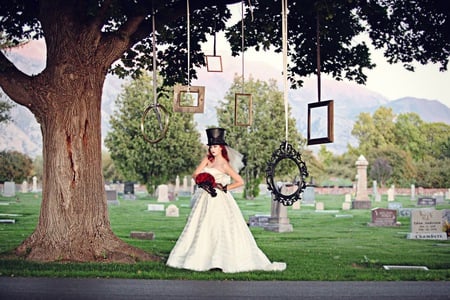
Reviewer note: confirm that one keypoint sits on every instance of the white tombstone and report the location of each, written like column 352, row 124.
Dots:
column 9, row 189
column 346, row 205
column 413, row 192
column 320, row 206
column 163, row 193
column 177, row 185
column 426, row 225
column 361, row 190
column 377, row 198
column 155, row 207
column 348, row 198
column 391, row 193
column 185, row 184
column 172, row 211
column 192, row 186
column 24, row 188
column 35, row 189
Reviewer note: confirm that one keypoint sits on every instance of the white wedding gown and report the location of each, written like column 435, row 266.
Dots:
column 216, row 236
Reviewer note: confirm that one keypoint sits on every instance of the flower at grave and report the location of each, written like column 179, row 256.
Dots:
column 207, row 182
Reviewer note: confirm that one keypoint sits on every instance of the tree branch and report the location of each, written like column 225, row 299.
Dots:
column 14, row 82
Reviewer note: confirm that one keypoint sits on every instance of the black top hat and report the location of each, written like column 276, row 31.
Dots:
column 216, row 136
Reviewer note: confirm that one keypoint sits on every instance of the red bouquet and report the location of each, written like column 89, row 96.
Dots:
column 207, row 182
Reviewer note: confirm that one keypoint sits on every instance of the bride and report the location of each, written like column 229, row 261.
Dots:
column 216, row 235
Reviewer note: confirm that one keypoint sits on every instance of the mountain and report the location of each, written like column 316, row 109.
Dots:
column 350, row 99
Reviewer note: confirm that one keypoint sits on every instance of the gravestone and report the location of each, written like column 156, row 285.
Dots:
column 377, row 198
column 177, row 185
column 348, row 198
column 155, row 207
column 346, row 205
column 439, row 197
column 9, row 189
column 413, row 192
column 361, row 198
column 426, row 224
column 320, row 206
column 172, row 211
column 185, row 184
column 375, row 189
column 384, row 217
column 278, row 221
column 296, row 205
column 35, row 187
column 395, row 205
column 308, row 196
column 142, row 235
column 111, row 197
column 258, row 220
column 24, row 187
column 426, row 201
column 391, row 194
column 163, row 193
column 128, row 191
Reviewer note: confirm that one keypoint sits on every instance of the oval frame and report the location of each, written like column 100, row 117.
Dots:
column 286, row 151
column 166, row 122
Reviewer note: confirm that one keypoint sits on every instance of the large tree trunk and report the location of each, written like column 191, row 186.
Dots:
column 74, row 223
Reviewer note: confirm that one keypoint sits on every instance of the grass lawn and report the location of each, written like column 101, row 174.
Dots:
column 322, row 246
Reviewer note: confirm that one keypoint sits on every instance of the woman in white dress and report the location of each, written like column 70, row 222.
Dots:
column 216, row 235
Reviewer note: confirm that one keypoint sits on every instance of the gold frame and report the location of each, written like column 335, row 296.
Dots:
column 236, row 105
column 179, row 90
column 329, row 138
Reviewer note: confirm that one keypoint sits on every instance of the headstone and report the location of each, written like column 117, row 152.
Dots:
column 426, row 201
column 391, row 194
column 426, row 225
column 24, row 187
column 320, row 206
column 172, row 211
column 308, row 196
column 346, row 205
column 447, row 195
column 258, row 220
column 177, row 185
column 185, row 184
column 439, row 197
column 278, row 221
column 384, row 217
column 377, row 198
column 348, row 198
column 9, row 189
column 163, row 193
column 362, row 198
column 155, row 207
column 111, row 197
column 35, row 188
column 375, row 189
column 128, row 191
column 395, row 205
column 413, row 192
column 296, row 205
column 142, row 235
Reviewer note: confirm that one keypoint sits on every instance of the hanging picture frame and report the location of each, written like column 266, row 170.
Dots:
column 189, row 99
column 214, row 63
column 242, row 109
column 320, row 122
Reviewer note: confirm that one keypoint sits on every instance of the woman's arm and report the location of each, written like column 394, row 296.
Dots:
column 237, row 179
column 200, row 167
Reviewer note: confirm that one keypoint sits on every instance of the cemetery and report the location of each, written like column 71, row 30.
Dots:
column 320, row 238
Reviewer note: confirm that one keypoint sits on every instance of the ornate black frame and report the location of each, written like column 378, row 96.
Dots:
column 286, row 151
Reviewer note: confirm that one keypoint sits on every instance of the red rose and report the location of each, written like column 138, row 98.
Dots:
column 205, row 178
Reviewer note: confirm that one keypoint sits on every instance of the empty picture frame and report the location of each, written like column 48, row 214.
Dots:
column 214, row 63
column 189, row 99
column 242, row 109
column 320, row 122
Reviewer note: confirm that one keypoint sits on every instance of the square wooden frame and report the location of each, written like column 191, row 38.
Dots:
column 236, row 105
column 213, row 63
column 329, row 104
column 179, row 90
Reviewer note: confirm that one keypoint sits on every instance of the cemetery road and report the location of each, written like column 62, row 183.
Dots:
column 112, row 289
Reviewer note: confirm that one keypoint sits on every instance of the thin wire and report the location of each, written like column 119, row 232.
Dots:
column 242, row 42
column 285, row 82
column 155, row 98
column 188, row 45
column 319, row 96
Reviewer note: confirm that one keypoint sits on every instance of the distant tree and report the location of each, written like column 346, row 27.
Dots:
column 381, row 170
column 258, row 141
column 14, row 166
column 110, row 172
column 432, row 173
column 151, row 164
column 409, row 136
column 436, row 137
column 5, row 107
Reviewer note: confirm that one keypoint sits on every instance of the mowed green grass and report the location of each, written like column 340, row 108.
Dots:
column 324, row 246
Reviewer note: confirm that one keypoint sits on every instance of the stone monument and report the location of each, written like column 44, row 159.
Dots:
column 362, row 200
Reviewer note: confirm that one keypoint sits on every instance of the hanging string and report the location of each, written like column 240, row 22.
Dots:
column 242, row 43
column 155, row 98
column 318, row 56
column 285, row 82
column 188, row 46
